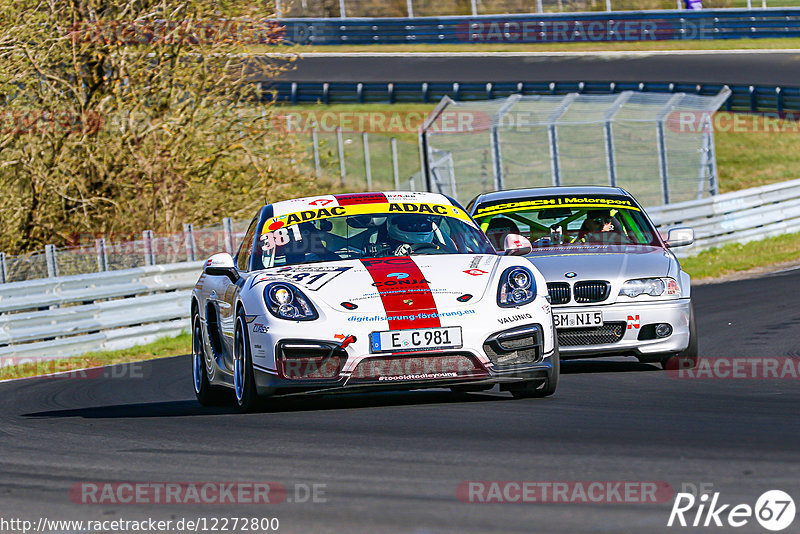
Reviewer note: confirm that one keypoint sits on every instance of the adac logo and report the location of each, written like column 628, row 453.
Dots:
column 399, row 276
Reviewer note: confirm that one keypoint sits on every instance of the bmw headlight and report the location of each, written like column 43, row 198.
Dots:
column 655, row 287
column 287, row 302
column 517, row 287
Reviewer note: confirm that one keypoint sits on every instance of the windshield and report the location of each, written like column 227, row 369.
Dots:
column 567, row 221
column 369, row 235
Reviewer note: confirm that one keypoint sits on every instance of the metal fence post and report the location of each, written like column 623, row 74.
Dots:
column 552, row 136
column 662, row 162
column 424, row 160
column 102, row 254
column 342, row 10
column 340, row 142
column 710, row 157
column 539, row 8
column 497, row 155
column 191, row 245
column 149, row 255
column 227, row 233
column 608, row 5
column 3, row 269
column 395, row 165
column 52, row 261
column 315, row 143
column 367, row 165
column 663, row 168
column 474, row 8
column 608, row 133
column 278, row 10
column 497, row 158
column 410, row 8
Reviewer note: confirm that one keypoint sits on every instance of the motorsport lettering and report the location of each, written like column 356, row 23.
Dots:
column 558, row 201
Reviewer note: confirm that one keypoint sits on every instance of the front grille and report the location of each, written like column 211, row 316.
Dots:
column 529, row 355
column 517, row 346
column 591, row 291
column 595, row 335
column 559, row 292
column 430, row 366
column 303, row 361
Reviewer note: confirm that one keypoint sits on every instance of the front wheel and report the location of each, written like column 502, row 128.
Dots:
column 207, row 395
column 244, row 383
column 534, row 389
column 687, row 358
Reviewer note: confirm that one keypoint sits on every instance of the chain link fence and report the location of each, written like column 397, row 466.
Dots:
column 658, row 146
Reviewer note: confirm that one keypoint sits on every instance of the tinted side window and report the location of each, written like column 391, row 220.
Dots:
column 246, row 248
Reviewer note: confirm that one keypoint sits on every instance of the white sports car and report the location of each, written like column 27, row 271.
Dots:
column 397, row 290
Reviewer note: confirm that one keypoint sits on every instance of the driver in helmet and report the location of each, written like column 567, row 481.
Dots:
column 409, row 232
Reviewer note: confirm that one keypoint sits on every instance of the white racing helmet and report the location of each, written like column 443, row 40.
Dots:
column 411, row 228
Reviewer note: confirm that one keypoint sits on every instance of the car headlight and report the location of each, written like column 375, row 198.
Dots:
column 655, row 287
column 285, row 301
column 517, row 287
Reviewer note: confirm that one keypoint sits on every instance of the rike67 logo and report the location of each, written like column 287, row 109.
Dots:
column 774, row 510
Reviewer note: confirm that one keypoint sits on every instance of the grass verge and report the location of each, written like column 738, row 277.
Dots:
column 611, row 46
column 736, row 258
column 162, row 348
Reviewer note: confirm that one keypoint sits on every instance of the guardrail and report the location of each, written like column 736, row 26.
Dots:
column 56, row 318
column 736, row 217
column 743, row 97
column 59, row 317
column 659, row 25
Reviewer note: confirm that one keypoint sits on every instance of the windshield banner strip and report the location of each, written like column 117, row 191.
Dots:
column 404, row 291
column 274, row 223
column 542, row 204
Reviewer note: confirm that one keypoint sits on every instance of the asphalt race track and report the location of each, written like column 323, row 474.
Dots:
column 392, row 462
column 742, row 67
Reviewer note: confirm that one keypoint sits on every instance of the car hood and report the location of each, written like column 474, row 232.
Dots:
column 392, row 284
column 602, row 262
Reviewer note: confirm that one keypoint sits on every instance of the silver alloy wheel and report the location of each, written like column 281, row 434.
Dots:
column 198, row 355
column 238, row 363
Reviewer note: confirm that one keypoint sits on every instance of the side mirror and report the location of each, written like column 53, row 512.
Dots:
column 516, row 245
column 679, row 237
column 221, row 265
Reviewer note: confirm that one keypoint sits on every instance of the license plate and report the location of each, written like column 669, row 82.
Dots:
column 421, row 339
column 578, row 319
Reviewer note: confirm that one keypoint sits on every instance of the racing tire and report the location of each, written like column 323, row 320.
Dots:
column 206, row 393
column 534, row 388
column 687, row 358
column 244, row 383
